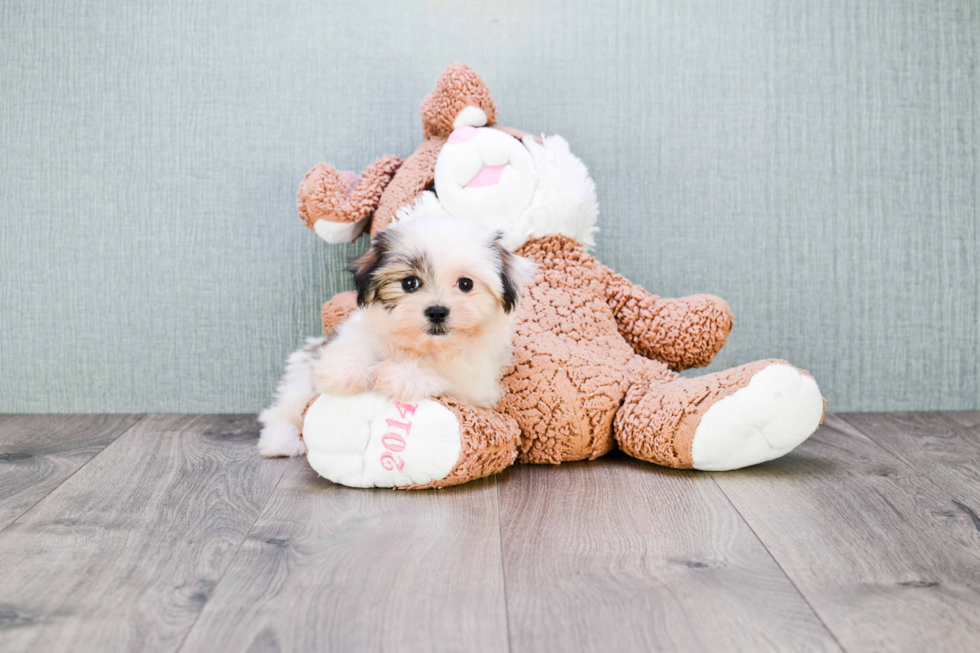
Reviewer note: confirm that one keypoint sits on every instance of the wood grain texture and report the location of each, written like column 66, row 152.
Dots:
column 944, row 447
column 38, row 452
column 964, row 417
column 123, row 555
column 619, row 555
column 177, row 537
column 329, row 568
column 884, row 556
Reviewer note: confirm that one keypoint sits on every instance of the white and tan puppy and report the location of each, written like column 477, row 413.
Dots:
column 436, row 298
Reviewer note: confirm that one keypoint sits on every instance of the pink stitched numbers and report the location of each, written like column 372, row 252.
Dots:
column 394, row 440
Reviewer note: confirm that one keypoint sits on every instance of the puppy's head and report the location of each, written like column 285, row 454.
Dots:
column 435, row 281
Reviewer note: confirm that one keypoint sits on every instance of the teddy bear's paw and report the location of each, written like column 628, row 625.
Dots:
column 368, row 440
column 779, row 408
column 337, row 205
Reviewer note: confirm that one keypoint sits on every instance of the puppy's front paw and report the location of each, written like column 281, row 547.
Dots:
column 342, row 376
column 404, row 382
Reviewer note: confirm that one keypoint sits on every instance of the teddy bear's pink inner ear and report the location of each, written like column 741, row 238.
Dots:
column 458, row 87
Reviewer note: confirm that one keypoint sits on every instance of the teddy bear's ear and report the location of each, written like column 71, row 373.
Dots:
column 459, row 98
column 338, row 205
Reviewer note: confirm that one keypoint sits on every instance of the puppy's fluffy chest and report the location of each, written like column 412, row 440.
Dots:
column 471, row 371
column 473, row 376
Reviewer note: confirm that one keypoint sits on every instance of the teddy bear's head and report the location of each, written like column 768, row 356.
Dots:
column 467, row 165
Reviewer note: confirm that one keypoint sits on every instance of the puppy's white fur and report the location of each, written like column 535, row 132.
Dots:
column 390, row 346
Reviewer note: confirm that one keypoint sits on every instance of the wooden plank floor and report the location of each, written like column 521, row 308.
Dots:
column 169, row 533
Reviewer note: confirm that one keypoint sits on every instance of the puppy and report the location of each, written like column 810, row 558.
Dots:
column 436, row 298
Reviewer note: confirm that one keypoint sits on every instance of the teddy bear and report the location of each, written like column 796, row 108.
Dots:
column 596, row 358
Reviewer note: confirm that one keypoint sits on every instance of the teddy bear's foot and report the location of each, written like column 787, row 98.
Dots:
column 727, row 420
column 779, row 408
column 368, row 440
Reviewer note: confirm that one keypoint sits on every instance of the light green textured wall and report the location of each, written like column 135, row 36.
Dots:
column 815, row 163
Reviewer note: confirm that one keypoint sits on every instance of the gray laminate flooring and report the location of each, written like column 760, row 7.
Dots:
column 169, row 533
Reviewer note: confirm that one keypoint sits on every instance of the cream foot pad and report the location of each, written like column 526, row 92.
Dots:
column 778, row 409
column 368, row 440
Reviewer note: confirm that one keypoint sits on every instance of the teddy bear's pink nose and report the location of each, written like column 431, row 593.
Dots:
column 461, row 134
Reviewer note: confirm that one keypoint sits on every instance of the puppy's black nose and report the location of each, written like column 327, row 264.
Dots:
column 437, row 314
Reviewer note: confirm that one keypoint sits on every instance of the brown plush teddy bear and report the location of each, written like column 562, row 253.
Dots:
column 596, row 358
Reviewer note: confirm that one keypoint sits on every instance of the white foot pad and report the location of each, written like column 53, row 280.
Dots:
column 368, row 440
column 778, row 409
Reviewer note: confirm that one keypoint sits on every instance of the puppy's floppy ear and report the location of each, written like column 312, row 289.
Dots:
column 365, row 266
column 515, row 271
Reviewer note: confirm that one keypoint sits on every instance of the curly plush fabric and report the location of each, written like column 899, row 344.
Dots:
column 415, row 175
column 489, row 444
column 569, row 376
column 658, row 419
column 686, row 332
column 329, row 194
column 458, row 87
column 337, row 309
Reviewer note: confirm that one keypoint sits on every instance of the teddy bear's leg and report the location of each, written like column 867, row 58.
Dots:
column 368, row 440
column 563, row 402
column 727, row 420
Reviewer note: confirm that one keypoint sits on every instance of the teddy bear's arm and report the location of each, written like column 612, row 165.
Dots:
column 338, row 205
column 337, row 309
column 683, row 332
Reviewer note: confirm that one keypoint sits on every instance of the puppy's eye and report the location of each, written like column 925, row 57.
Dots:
column 465, row 284
column 411, row 284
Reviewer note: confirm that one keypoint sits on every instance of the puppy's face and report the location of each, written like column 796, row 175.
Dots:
column 433, row 282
